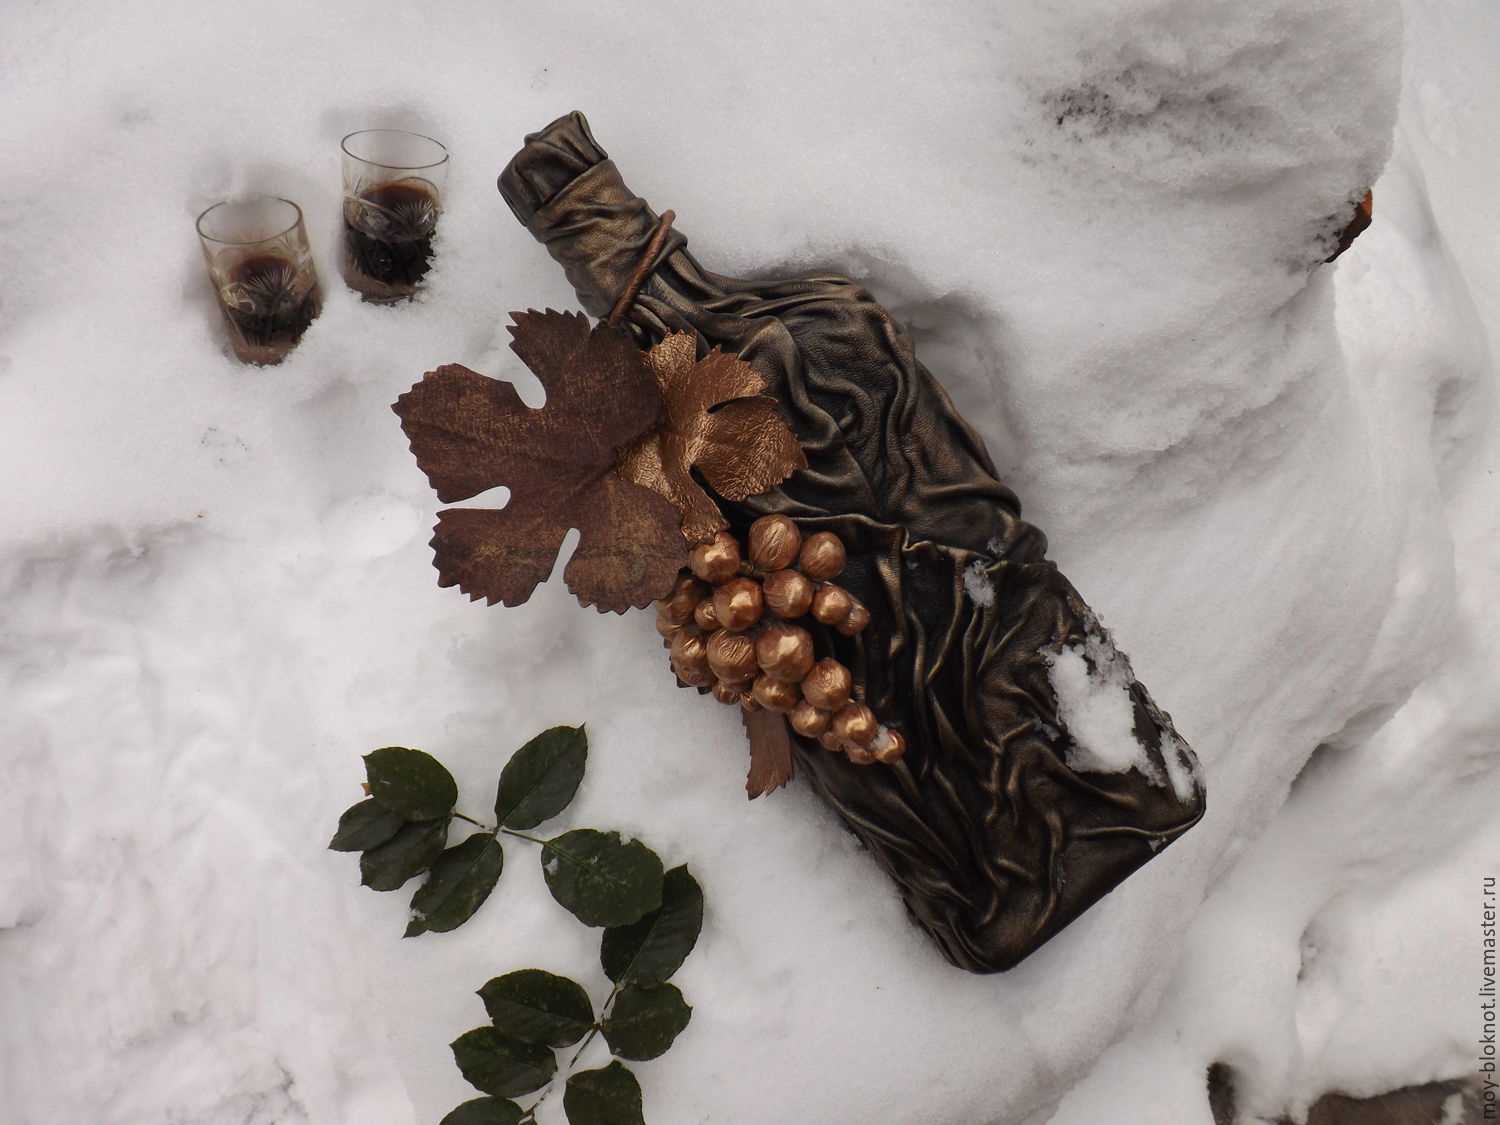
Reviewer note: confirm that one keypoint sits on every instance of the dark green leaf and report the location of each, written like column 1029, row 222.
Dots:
column 485, row 1111
column 538, row 1007
column 364, row 826
column 651, row 950
column 601, row 878
column 409, row 852
column 642, row 1022
column 610, row 1096
column 461, row 879
column 410, row 782
column 541, row 777
column 501, row 1066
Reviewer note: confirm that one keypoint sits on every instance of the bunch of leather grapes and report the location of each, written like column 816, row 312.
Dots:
column 731, row 627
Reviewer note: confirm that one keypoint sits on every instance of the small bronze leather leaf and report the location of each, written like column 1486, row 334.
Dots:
column 718, row 420
column 471, row 433
column 770, row 751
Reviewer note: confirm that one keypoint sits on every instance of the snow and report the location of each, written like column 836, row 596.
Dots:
column 1275, row 482
column 977, row 584
column 1091, row 682
column 1092, row 685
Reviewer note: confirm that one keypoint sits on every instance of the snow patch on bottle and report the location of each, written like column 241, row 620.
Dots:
column 1092, row 684
column 1182, row 765
column 978, row 586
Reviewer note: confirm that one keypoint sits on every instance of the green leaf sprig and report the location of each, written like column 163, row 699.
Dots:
column 534, row 1013
column 651, row 921
column 401, row 829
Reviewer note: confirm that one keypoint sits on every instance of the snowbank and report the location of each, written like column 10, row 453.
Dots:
column 1273, row 481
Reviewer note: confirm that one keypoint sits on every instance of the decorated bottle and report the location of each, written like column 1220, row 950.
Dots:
column 1001, row 823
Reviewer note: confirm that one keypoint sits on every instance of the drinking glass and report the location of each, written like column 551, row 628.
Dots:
column 393, row 195
column 262, row 271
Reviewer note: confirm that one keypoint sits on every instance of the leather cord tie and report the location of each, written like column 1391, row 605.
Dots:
column 643, row 268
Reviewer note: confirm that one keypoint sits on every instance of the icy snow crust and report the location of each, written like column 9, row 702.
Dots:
column 1274, row 483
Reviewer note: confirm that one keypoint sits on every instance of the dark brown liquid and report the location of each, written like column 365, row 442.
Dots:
column 388, row 238
column 272, row 307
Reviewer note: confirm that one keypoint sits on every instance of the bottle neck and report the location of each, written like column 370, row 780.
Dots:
column 598, row 230
column 564, row 188
column 843, row 373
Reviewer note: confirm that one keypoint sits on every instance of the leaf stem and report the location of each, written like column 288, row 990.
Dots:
column 584, row 1046
column 495, row 829
column 597, row 1028
column 477, row 824
column 525, row 836
column 530, row 1114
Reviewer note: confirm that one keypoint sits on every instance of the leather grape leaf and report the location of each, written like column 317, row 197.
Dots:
column 471, row 433
column 770, row 751
column 719, row 421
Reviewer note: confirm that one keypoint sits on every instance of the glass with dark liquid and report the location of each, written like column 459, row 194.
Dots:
column 262, row 272
column 393, row 185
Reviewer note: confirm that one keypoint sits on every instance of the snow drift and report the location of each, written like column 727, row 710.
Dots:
column 1273, row 479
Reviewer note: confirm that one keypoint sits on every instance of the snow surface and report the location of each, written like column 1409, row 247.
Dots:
column 1274, row 482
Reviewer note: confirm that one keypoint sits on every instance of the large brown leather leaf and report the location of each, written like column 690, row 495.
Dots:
column 742, row 448
column 471, row 433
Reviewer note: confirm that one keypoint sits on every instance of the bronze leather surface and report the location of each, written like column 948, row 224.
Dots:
column 995, row 842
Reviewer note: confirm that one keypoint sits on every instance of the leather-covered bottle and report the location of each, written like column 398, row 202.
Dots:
column 998, row 823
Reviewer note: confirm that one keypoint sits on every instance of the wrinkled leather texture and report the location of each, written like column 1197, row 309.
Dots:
column 995, row 841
